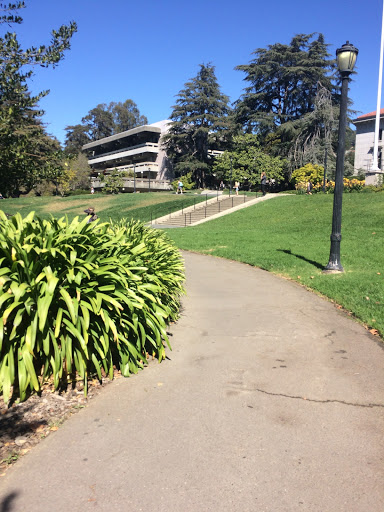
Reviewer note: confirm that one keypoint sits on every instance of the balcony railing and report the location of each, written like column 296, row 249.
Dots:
column 137, row 185
column 129, row 148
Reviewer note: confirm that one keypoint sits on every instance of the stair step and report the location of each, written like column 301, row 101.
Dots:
column 203, row 211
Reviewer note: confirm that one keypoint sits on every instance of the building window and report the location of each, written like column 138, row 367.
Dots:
column 380, row 134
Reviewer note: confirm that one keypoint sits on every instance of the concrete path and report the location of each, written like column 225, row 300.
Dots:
column 271, row 400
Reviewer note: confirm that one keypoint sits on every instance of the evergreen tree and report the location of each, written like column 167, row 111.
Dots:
column 200, row 124
column 27, row 153
column 283, row 83
column 307, row 140
column 313, row 132
column 77, row 136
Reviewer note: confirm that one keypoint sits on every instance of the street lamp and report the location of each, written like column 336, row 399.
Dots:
column 346, row 59
column 325, row 168
column 230, row 186
column 134, row 178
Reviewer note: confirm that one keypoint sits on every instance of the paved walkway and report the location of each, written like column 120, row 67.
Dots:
column 271, row 400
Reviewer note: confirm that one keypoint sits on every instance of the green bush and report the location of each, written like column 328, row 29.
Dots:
column 188, row 184
column 373, row 188
column 82, row 298
column 113, row 182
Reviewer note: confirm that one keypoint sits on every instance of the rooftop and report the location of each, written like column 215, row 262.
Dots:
column 370, row 115
column 122, row 135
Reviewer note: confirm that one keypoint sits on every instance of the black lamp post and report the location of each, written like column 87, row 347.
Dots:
column 134, row 178
column 325, row 168
column 230, row 186
column 346, row 59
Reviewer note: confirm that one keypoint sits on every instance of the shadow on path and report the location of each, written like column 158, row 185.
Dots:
column 6, row 504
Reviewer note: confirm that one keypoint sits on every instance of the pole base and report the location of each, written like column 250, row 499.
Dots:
column 333, row 268
column 332, row 271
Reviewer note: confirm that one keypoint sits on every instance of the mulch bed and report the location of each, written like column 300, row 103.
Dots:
column 23, row 425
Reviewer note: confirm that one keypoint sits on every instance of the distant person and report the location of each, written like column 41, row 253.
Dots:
column 263, row 183
column 180, row 187
column 1, row 196
column 92, row 214
column 221, row 186
column 92, row 190
column 237, row 186
column 309, row 188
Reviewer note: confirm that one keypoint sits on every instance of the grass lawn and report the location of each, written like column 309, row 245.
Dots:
column 290, row 236
column 115, row 207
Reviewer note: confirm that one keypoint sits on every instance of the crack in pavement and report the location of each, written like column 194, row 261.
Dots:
column 342, row 402
column 305, row 399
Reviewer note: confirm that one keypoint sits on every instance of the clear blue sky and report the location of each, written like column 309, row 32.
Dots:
column 147, row 50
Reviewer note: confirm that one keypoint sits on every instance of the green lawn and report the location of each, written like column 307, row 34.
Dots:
column 137, row 206
column 289, row 236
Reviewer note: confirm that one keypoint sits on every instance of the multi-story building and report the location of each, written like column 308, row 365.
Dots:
column 138, row 152
column 365, row 134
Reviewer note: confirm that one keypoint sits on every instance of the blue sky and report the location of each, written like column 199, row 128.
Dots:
column 147, row 50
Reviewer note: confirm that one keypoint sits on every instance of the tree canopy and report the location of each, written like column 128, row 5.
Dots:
column 27, row 153
column 282, row 82
column 200, row 124
column 102, row 121
column 246, row 161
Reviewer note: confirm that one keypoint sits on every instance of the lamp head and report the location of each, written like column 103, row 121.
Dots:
column 346, row 58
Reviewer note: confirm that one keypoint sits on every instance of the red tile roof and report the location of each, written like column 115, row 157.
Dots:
column 371, row 114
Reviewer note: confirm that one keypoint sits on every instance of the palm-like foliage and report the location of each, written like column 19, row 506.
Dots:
column 82, row 298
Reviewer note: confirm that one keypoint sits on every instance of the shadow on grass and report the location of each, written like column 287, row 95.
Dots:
column 312, row 262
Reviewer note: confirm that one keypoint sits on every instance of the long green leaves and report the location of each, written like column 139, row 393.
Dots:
column 85, row 298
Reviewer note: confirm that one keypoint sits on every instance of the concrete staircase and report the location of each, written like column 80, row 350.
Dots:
column 203, row 211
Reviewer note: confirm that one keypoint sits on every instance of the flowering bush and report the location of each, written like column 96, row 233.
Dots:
column 350, row 185
column 353, row 185
column 301, row 187
column 310, row 172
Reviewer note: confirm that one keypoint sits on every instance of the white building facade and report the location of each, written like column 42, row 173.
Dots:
column 137, row 151
column 365, row 134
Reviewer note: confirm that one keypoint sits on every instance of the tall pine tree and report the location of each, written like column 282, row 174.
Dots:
column 283, row 83
column 201, row 122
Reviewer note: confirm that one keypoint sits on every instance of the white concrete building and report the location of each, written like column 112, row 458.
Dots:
column 365, row 134
column 138, row 151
